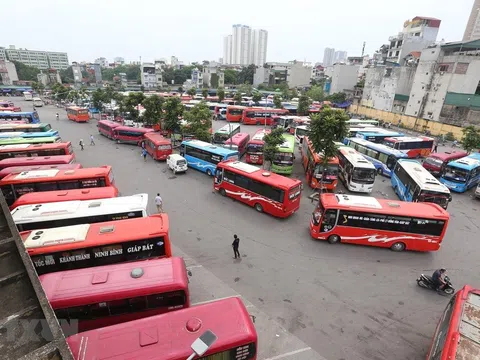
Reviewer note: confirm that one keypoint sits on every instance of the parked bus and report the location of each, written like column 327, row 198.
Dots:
column 89, row 245
column 283, row 122
column 300, row 132
column 20, row 169
column 45, row 197
column 260, row 116
column 412, row 182
column 299, row 121
column 436, row 162
column 234, row 113
column 364, row 220
column 456, row 335
column 129, row 135
column 255, row 147
column 265, row 191
column 361, row 122
column 118, row 293
column 382, row 157
column 462, row 174
column 31, row 150
column 238, row 142
column 283, row 161
column 352, row 131
column 204, row 156
column 8, row 104
column 28, row 135
column 37, row 160
column 27, row 117
column 77, row 114
column 312, row 164
column 228, row 319
column 106, row 127
column 25, row 128
column 157, row 146
column 22, row 140
column 414, row 147
column 15, row 185
column 27, row 96
column 356, row 172
column 225, row 133
column 377, row 136
column 66, row 213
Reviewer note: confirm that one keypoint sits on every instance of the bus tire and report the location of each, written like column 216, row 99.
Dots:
column 398, row 247
column 258, row 207
column 380, row 171
column 209, row 172
column 222, row 192
column 333, row 239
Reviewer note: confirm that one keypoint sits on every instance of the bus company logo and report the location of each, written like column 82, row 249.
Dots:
column 385, row 239
column 245, row 196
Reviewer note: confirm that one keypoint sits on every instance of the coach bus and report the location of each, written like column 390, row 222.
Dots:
column 107, row 295
column 436, row 162
column 265, row 191
column 412, row 182
column 203, row 156
column 89, row 245
column 106, row 127
column 37, row 160
column 225, row 133
column 27, row 135
column 32, row 150
column 414, row 147
column 300, row 132
column 255, row 147
column 32, row 141
column 129, row 135
column 234, row 113
column 228, row 319
column 27, row 117
column 365, row 220
column 283, row 160
column 77, row 114
column 261, row 116
column 462, row 174
column 25, row 128
column 377, row 136
column 19, row 169
column 157, row 146
column 361, row 122
column 238, row 142
column 356, row 172
column 312, row 164
column 15, row 185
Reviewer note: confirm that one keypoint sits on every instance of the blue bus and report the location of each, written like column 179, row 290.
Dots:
column 462, row 174
column 383, row 157
column 28, row 135
column 204, row 156
column 30, row 117
column 377, row 135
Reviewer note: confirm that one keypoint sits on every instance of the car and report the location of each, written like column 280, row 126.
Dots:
column 177, row 163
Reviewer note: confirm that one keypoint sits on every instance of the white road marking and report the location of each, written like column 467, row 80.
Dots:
column 194, row 266
column 288, row 354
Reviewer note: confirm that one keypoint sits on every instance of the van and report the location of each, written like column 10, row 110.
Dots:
column 37, row 102
column 177, row 163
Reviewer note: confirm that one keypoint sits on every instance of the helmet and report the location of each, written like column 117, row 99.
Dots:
column 443, row 270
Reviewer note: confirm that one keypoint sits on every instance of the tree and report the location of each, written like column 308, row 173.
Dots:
column 180, row 89
column 173, row 111
column 245, row 89
column 337, row 98
column 199, row 122
column 220, row 94
column 246, row 74
column 59, row 91
column 131, row 102
column 192, row 92
column 256, row 98
column 204, row 93
column 153, row 109
column 293, row 93
column 214, row 80
column 26, row 72
column 67, row 75
column 303, row 105
column 238, row 97
column 277, row 101
column 271, row 142
column 471, row 138
column 230, row 76
column 99, row 99
column 38, row 87
column 316, row 93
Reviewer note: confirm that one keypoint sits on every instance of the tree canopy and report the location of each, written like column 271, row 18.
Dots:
column 272, row 141
column 221, row 94
column 316, row 93
column 153, row 105
column 173, row 109
column 199, row 122
column 26, row 72
column 471, row 138
column 230, row 76
column 303, row 105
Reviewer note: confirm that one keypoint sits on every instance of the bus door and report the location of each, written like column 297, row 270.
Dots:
column 329, row 220
column 218, row 176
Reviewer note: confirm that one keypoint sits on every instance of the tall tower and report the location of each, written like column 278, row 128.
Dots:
column 328, row 56
column 472, row 31
column 241, row 48
column 227, row 49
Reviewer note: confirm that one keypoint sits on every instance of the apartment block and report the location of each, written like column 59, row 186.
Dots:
column 40, row 59
column 294, row 73
column 472, row 30
column 343, row 77
column 245, row 46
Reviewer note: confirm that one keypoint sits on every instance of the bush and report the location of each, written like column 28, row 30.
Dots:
column 449, row 136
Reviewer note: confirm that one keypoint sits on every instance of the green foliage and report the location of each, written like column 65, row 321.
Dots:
column 99, row 99
column 277, row 102
column 67, row 75
column 471, row 138
column 214, row 80
column 59, row 91
column 256, row 98
column 173, row 108
column 25, row 72
column 192, row 92
column 303, row 105
column 132, row 72
column 293, row 93
column 230, row 77
column 449, row 136
column 316, row 93
column 245, row 89
column 272, row 141
column 221, row 94
column 199, row 122
column 131, row 102
column 337, row 98
column 153, row 109
column 204, row 93
column 238, row 97
column 38, row 87
column 246, row 75
column 180, row 90
column 361, row 83
column 179, row 76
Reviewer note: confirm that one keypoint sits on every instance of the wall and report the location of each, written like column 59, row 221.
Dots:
column 343, row 77
column 298, row 75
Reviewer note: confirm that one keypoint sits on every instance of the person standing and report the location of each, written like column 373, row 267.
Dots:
column 144, row 154
column 91, row 140
column 81, row 144
column 159, row 203
column 435, row 146
column 235, row 245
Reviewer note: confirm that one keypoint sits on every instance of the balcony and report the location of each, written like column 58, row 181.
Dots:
column 399, row 36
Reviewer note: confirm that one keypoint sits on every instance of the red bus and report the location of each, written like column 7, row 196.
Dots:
column 255, row 147
column 6, row 104
column 456, row 335
column 77, row 114
column 436, row 162
column 398, row 225
column 107, row 295
column 261, row 116
column 88, row 245
column 15, row 185
column 20, row 169
column 414, row 147
column 234, row 113
column 265, row 191
column 238, row 142
column 11, row 109
column 43, row 197
column 157, row 146
column 106, row 127
column 312, row 163
column 129, row 135
column 31, row 150
column 169, row 336
column 37, row 160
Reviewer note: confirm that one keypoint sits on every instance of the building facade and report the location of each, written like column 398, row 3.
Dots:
column 227, row 49
column 343, row 77
column 241, row 44
column 40, row 59
column 294, row 73
column 119, row 60
column 197, row 78
column 213, row 77
column 148, row 76
column 245, row 46
column 328, row 57
column 340, row 56
column 103, row 62
column 472, row 30
column 8, row 72
column 259, row 47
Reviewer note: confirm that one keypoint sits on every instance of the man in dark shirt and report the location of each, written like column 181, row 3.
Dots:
column 235, row 245
column 437, row 278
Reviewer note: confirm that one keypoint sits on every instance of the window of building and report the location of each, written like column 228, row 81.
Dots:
column 429, row 113
column 443, row 68
column 477, row 92
column 397, row 53
column 417, row 34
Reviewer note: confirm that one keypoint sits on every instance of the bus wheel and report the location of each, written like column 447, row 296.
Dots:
column 209, row 172
column 380, row 171
column 333, row 239
column 223, row 192
column 258, row 207
column 398, row 246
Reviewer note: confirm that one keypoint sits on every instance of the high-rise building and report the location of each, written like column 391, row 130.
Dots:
column 119, row 60
column 241, row 38
column 227, row 49
column 328, row 57
column 259, row 47
column 245, row 46
column 40, row 59
column 340, row 56
column 472, row 31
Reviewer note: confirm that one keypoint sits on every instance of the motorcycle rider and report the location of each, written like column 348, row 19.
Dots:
column 56, row 115
column 438, row 280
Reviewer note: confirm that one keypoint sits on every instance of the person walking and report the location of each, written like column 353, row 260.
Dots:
column 91, row 140
column 81, row 144
column 435, row 146
column 159, row 203
column 144, row 154
column 235, row 245
column 57, row 116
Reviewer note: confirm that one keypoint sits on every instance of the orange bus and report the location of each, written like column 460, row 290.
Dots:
column 107, row 295
column 261, row 116
column 43, row 197
column 78, row 114
column 31, row 150
column 37, row 160
column 234, row 113
column 312, row 163
column 88, row 245
column 15, row 185
column 19, row 169
column 157, row 146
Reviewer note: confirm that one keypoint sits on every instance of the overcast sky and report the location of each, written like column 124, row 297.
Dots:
column 194, row 30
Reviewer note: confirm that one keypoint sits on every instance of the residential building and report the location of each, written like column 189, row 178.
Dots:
column 197, row 78
column 123, row 79
column 344, row 77
column 8, row 72
column 103, row 62
column 259, row 47
column 213, row 77
column 245, row 46
column 417, row 34
column 328, row 57
column 51, row 76
column 119, row 60
column 294, row 73
column 227, row 49
column 340, row 56
column 472, row 30
column 77, row 73
column 96, row 70
column 318, row 72
column 160, row 65
column 363, row 61
column 40, row 59
column 241, row 44
column 148, row 76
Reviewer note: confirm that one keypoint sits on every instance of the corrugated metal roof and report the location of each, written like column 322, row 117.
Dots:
column 464, row 100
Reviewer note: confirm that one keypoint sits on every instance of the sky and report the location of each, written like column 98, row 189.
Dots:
column 194, row 30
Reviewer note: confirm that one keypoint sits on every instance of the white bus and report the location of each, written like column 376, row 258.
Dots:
column 300, row 132
column 57, row 214
column 27, row 96
column 356, row 172
column 360, row 122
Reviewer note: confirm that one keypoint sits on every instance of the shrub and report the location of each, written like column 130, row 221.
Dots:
column 449, row 136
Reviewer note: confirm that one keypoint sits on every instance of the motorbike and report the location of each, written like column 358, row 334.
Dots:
column 425, row 281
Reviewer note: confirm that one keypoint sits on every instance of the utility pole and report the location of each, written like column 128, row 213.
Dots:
column 363, row 48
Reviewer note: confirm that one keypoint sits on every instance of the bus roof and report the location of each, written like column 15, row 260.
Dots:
column 379, row 131
column 16, row 113
column 467, row 346
column 236, row 107
column 227, row 129
column 104, row 283
column 137, row 129
column 445, row 156
column 157, row 138
column 288, row 145
column 42, row 175
column 409, row 138
column 109, row 123
column 467, row 163
column 355, row 158
column 18, row 169
column 151, row 338
column 207, row 146
column 379, row 147
column 23, row 126
column 74, row 107
column 35, row 146
column 37, row 160
column 260, row 134
column 28, row 140
column 422, row 176
column 319, row 156
column 237, row 138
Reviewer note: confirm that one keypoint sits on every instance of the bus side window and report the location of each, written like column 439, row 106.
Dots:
column 182, row 150
column 329, row 220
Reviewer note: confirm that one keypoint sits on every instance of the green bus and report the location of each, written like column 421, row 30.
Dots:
column 39, row 140
column 283, row 161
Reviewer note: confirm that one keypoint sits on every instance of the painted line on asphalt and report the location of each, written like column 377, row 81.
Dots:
column 281, row 356
column 209, row 301
column 194, row 266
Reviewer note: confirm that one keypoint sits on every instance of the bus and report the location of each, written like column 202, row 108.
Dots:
column 37, row 160
column 27, row 135
column 412, row 182
column 89, row 245
column 106, row 127
column 414, row 147
column 203, row 156
column 456, row 335
column 8, row 104
column 364, row 220
column 66, row 213
column 261, row 116
column 312, row 164
column 37, row 102
column 378, row 135
column 283, row 161
column 77, row 114
column 27, row 96
column 436, row 162
column 462, row 174
column 361, row 122
column 129, row 135
column 150, row 338
column 238, row 142
column 32, row 150
column 300, row 132
column 107, row 295
column 27, row 117
column 19, row 169
column 15, row 185
column 225, row 133
column 25, row 128
column 352, row 131
column 382, row 157
column 267, row 192
column 45, row 197
column 32, row 140
column 255, row 147
column 356, row 172
column 157, row 146
column 234, row 113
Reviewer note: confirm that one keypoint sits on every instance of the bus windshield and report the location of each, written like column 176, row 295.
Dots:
column 254, row 148
column 434, row 197
column 433, row 161
column 283, row 158
column 330, row 170
column 219, row 138
column 456, row 174
column 364, row 176
column 302, row 132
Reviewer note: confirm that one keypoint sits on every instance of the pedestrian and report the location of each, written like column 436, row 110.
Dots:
column 81, row 144
column 435, row 146
column 159, row 203
column 144, row 154
column 235, row 245
column 91, row 140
